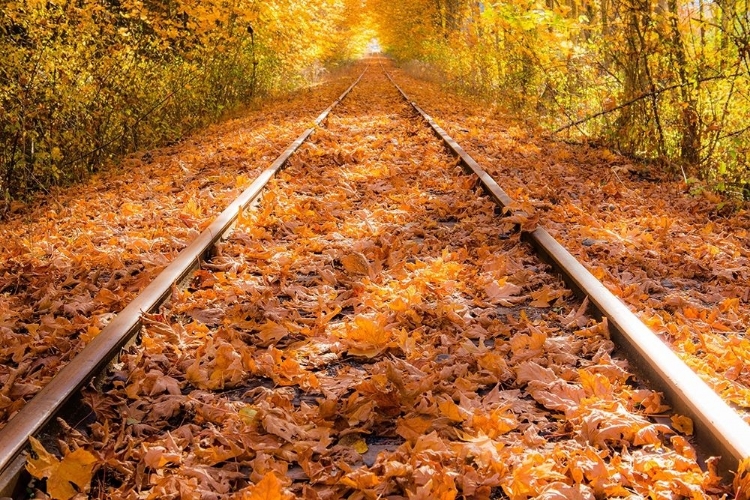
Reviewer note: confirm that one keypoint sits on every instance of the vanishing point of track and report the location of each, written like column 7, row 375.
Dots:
column 719, row 431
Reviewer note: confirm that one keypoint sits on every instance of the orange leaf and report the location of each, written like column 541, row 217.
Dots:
column 356, row 263
column 367, row 337
column 543, row 297
column 76, row 468
column 742, row 480
column 269, row 488
column 450, row 409
column 272, row 332
column 412, row 428
column 157, row 457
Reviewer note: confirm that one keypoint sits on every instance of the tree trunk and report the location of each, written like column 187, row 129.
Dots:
column 691, row 139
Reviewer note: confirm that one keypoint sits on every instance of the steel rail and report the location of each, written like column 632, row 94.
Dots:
column 718, row 429
column 104, row 347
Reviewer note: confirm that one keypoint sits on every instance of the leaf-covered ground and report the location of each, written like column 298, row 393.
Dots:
column 375, row 329
column 70, row 261
column 681, row 260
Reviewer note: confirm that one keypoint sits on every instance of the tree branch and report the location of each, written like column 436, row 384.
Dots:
column 639, row 98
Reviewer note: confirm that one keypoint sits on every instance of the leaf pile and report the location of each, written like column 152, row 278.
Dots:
column 71, row 261
column 680, row 259
column 373, row 329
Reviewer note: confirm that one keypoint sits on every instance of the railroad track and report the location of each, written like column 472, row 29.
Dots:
column 372, row 303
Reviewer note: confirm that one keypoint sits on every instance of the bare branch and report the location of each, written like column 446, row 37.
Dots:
column 640, row 98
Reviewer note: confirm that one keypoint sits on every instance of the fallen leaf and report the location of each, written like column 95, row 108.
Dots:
column 356, row 263
column 268, row 488
column 75, row 469
column 682, row 424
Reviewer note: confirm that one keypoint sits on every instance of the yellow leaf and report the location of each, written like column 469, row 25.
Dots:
column 76, row 468
column 682, row 424
column 408, row 298
column 355, row 442
column 361, row 479
column 495, row 423
column 192, row 208
column 43, row 466
column 684, row 448
column 742, row 480
column 543, row 297
column 360, row 446
column 249, row 414
column 595, row 384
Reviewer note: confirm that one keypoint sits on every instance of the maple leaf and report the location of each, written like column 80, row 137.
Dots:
column 651, row 434
column 439, row 487
column 408, row 299
column 366, row 337
column 268, row 488
column 530, row 477
column 271, row 332
column 411, row 428
column 76, row 468
column 543, row 297
column 596, row 384
column 282, row 427
column 496, row 364
column 530, row 371
column 356, row 263
column 165, row 408
column 578, row 316
column 684, row 448
column 495, row 423
column 360, row 479
column 503, row 293
column 157, row 457
column 589, row 466
column 601, row 427
column 451, row 410
column 560, row 396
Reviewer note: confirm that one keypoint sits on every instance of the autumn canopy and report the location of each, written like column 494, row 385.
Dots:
column 661, row 79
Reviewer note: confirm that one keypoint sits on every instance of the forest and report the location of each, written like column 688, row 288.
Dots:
column 85, row 81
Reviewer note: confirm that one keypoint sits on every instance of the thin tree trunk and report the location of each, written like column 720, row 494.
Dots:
column 690, row 143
